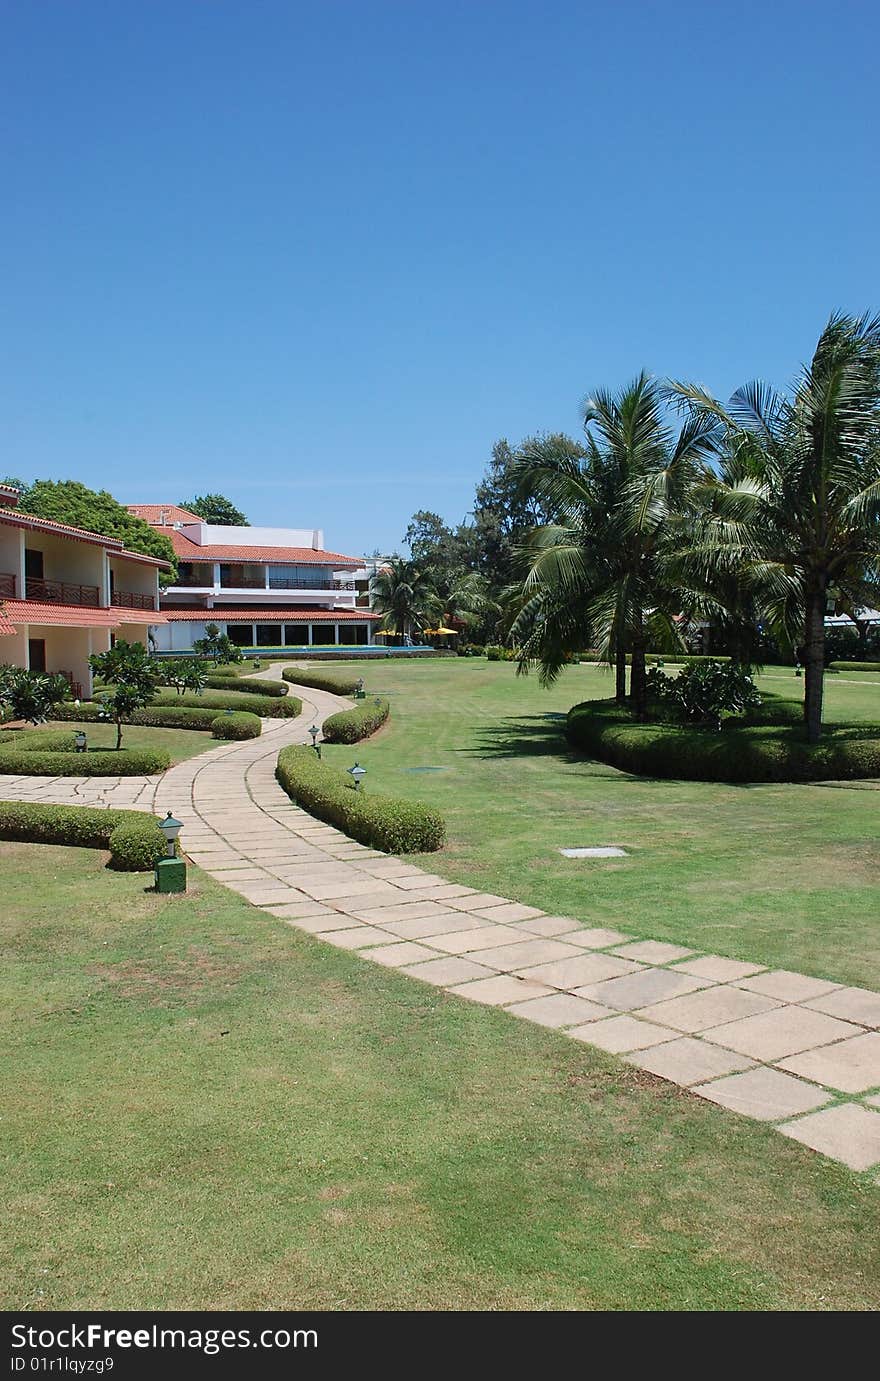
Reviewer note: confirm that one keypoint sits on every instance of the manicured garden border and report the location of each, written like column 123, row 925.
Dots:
column 381, row 822
column 362, row 720
column 334, row 682
column 39, row 753
column 134, row 839
column 158, row 717
column 237, row 724
column 758, row 752
column 250, row 685
column 269, row 706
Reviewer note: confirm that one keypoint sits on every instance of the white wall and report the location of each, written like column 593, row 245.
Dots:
column 205, row 534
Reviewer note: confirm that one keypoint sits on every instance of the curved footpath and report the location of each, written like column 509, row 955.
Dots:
column 798, row 1052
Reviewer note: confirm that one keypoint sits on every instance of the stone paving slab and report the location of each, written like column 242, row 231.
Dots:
column 852, row 1066
column 449, row 970
column 537, row 951
column 558, row 1010
column 619, row 1035
column 687, row 1061
column 784, row 1031
column 641, row 989
column 548, row 925
column 586, row 968
column 700, row 1011
column 850, row 1004
column 846, row 1132
column 787, row 987
column 652, row 951
column 763, row 1093
column 719, row 969
column 485, row 937
column 503, row 989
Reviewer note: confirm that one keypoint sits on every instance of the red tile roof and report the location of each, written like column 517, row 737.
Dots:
column 152, row 514
column 15, row 518
column 284, row 556
column 5, row 626
column 25, row 611
column 231, row 614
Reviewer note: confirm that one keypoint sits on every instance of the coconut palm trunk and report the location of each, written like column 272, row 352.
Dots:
column 814, row 663
column 620, row 675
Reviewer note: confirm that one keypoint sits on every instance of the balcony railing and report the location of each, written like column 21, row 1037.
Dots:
column 308, row 582
column 244, row 582
column 61, row 592
column 194, row 582
column 7, row 585
column 127, row 599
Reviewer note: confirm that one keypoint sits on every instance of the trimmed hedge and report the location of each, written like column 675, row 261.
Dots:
column 335, row 682
column 237, row 725
column 250, row 685
column 350, row 726
column 271, row 707
column 158, row 717
column 776, row 752
column 134, row 839
column 854, row 666
column 381, row 822
column 39, row 753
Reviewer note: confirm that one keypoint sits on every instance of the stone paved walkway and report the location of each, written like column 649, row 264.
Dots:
column 798, row 1052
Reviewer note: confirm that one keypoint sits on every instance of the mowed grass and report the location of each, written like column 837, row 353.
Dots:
column 779, row 874
column 205, row 1108
column 180, row 743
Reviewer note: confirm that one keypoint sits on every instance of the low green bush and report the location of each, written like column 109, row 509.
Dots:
column 673, row 659
column 153, row 717
column 238, row 724
column 128, row 762
column 271, row 707
column 854, row 666
column 494, row 654
column 136, row 845
column 250, row 685
column 757, row 752
column 350, row 726
column 335, row 682
column 135, row 841
column 381, row 822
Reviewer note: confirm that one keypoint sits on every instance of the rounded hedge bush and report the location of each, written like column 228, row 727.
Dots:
column 136, row 846
column 51, row 753
column 381, row 822
column 248, row 685
column 350, row 726
column 139, row 843
column 153, row 717
column 269, row 706
column 238, row 724
column 854, row 666
column 757, row 752
column 334, row 682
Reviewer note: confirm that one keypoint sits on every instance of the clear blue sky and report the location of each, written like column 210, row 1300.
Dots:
column 320, row 256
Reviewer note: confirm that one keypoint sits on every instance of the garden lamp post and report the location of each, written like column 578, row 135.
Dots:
column 170, row 871
column 80, row 741
column 314, row 731
column 357, row 774
column 359, row 691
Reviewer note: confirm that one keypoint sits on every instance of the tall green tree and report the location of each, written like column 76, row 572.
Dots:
column 132, row 675
column 68, row 501
column 795, row 509
column 600, row 573
column 215, row 509
column 505, row 511
column 404, row 596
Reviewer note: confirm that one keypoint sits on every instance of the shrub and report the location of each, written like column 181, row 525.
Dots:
column 186, row 674
column 705, row 692
column 89, row 827
column 171, row 716
column 31, row 695
column 350, row 726
column 271, row 707
column 494, row 654
column 740, row 753
column 238, row 724
column 248, row 686
column 381, row 822
column 218, row 646
column 335, row 682
column 33, row 762
column 854, row 666
column 136, row 846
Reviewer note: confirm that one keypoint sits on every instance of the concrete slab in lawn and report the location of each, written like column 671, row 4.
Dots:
column 443, row 973
column 687, row 1061
column 508, row 912
column 357, row 938
column 653, row 951
column 852, row 1066
column 850, row 1004
column 396, row 955
column 764, row 1094
column 586, row 968
column 784, row 1031
column 711, row 1007
column 786, row 986
column 424, row 926
column 642, row 989
column 848, row 1133
column 719, row 969
column 315, row 925
column 601, row 851
column 620, row 1034
column 532, row 951
column 486, row 937
column 597, row 937
column 477, row 900
column 548, row 925
column 559, row 1009
column 501, row 990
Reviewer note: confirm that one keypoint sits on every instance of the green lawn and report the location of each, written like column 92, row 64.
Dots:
column 780, row 874
column 205, row 1108
column 180, row 743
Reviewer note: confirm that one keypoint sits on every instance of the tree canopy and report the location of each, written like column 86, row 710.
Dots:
column 68, row 501
column 215, row 509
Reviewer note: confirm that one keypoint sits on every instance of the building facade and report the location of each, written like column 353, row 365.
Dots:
column 264, row 587
column 66, row 593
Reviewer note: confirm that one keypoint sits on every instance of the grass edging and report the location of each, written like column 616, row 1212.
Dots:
column 134, row 839
column 380, row 822
column 740, row 753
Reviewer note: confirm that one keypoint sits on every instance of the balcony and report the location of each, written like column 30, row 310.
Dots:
column 62, row 592
column 127, row 599
column 242, row 582
column 7, row 585
column 308, row 582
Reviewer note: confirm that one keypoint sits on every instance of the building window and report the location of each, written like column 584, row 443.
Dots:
column 362, row 632
column 300, row 578
column 296, row 634
column 33, row 564
column 347, row 634
column 242, row 634
column 268, row 635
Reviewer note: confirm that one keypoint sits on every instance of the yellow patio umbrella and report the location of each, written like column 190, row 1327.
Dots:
column 442, row 630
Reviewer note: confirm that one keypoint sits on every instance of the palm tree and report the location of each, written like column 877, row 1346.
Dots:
column 404, row 596
column 795, row 510
column 600, row 574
